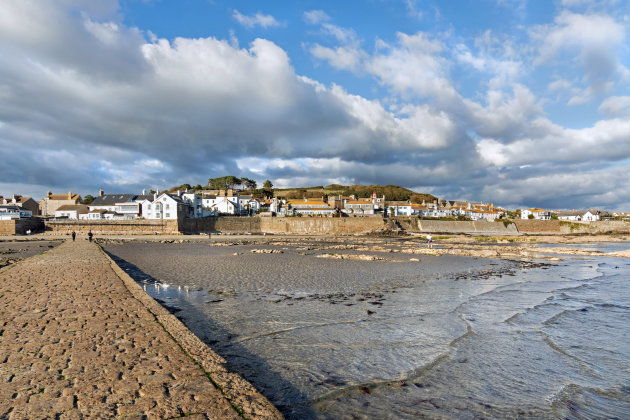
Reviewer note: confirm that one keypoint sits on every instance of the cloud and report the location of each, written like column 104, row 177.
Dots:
column 88, row 102
column 190, row 107
column 616, row 106
column 259, row 19
column 593, row 40
column 315, row 17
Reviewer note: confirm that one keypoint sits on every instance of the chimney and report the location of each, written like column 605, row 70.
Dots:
column 155, row 196
column 100, row 193
column 49, row 193
column 69, row 195
column 144, row 192
column 230, row 192
column 179, row 193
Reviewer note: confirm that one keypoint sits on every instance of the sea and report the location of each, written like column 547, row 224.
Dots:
column 401, row 338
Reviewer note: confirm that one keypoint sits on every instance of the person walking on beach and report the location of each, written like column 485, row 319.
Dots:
column 74, row 235
column 90, row 236
column 429, row 241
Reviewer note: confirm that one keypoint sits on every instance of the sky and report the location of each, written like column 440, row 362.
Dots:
column 514, row 102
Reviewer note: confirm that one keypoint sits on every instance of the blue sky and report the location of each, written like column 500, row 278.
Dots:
column 520, row 103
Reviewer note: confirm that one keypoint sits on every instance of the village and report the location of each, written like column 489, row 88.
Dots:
column 186, row 204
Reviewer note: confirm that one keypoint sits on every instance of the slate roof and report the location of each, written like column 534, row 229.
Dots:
column 142, row 197
column 112, row 199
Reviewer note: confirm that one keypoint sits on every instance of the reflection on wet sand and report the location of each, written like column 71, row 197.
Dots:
column 406, row 334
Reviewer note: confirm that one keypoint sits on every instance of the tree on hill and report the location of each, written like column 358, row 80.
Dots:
column 224, row 182
column 249, row 184
column 268, row 188
column 87, row 199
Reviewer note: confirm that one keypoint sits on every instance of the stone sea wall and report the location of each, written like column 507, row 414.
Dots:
column 115, row 227
column 19, row 227
column 321, row 226
column 318, row 226
column 468, row 228
column 559, row 227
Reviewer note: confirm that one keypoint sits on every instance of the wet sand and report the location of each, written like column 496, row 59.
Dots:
column 14, row 250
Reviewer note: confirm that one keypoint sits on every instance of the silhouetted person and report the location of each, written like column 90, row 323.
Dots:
column 90, row 236
column 74, row 235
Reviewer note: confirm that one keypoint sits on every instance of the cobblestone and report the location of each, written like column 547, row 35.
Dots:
column 80, row 339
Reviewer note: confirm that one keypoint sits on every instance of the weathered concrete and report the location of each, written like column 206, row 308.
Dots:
column 79, row 338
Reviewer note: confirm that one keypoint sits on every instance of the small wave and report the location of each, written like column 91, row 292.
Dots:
column 578, row 402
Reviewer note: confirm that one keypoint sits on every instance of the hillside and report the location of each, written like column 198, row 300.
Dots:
column 391, row 192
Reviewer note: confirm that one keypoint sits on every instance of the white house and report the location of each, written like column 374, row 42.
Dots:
column 578, row 216
column 195, row 205
column 538, row 214
column 310, row 206
column 248, row 205
column 165, row 207
column 399, row 208
column 477, row 214
column 71, row 211
column 119, row 206
column 9, row 212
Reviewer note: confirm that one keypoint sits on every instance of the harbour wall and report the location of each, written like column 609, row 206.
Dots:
column 467, row 227
column 20, row 226
column 115, row 227
column 319, row 226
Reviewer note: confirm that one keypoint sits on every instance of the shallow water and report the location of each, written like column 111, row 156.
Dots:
column 449, row 337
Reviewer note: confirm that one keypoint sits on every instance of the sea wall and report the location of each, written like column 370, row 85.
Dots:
column 114, row 227
column 560, row 227
column 468, row 228
column 20, row 226
column 320, row 225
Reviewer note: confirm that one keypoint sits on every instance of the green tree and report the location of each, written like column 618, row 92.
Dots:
column 88, row 199
column 250, row 184
column 268, row 188
column 224, row 182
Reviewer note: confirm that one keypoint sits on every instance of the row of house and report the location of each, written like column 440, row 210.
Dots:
column 473, row 211
column 195, row 204
column 160, row 206
column 569, row 215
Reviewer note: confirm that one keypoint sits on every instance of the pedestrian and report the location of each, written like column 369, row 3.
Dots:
column 429, row 241
column 74, row 235
column 90, row 236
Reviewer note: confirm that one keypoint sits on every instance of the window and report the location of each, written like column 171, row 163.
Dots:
column 167, row 207
column 168, row 215
column 148, row 206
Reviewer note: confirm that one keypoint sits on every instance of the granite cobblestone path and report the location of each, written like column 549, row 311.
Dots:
column 79, row 339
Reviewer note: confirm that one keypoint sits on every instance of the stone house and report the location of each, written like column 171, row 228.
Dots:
column 52, row 202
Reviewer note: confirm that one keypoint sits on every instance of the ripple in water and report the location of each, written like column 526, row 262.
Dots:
column 348, row 339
